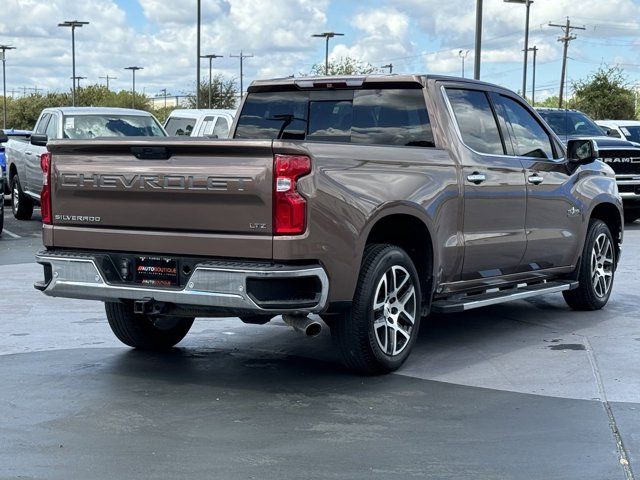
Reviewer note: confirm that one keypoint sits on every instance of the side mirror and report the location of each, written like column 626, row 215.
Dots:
column 3, row 137
column 582, row 150
column 39, row 140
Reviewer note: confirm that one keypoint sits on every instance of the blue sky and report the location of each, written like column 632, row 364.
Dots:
column 415, row 35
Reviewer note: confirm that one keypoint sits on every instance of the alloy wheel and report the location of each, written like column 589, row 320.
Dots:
column 394, row 310
column 602, row 265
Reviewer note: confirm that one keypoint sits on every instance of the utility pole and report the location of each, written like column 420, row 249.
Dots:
column 107, row 78
column 73, row 24
column 133, row 71
column 533, row 49
column 566, row 38
column 526, row 3
column 463, row 54
column 242, row 56
column 211, row 56
column 389, row 66
column 77, row 79
column 4, row 49
column 198, row 55
column 165, row 95
column 327, row 36
column 478, row 51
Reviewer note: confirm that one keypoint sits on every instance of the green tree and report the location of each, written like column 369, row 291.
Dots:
column 605, row 94
column 224, row 93
column 344, row 66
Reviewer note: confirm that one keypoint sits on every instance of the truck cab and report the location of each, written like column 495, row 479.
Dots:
column 212, row 123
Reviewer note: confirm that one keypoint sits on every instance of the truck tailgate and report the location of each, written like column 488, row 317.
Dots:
column 186, row 188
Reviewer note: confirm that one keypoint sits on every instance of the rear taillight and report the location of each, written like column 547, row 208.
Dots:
column 45, row 194
column 289, row 207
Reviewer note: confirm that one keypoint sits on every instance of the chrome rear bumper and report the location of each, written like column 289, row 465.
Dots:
column 213, row 284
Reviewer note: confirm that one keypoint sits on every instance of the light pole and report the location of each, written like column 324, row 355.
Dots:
column 389, row 66
column 327, row 36
column 534, row 49
column 4, row 48
column 463, row 54
column 198, row 54
column 73, row 24
column 210, row 56
column 133, row 71
column 478, row 49
column 526, row 3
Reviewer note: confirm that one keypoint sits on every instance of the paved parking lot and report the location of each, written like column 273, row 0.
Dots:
column 527, row 390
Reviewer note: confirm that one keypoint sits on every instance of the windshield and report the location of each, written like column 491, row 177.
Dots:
column 92, row 126
column 566, row 123
column 631, row 133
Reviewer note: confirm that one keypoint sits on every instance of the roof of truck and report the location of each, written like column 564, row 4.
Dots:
column 97, row 111
column 618, row 123
column 357, row 80
column 199, row 112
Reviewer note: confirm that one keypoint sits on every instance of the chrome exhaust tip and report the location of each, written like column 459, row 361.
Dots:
column 303, row 325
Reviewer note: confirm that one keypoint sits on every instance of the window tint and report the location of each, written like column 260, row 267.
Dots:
column 391, row 117
column 52, row 128
column 330, row 121
column 476, row 121
column 271, row 115
column 530, row 139
column 222, row 128
column 42, row 124
column 179, row 126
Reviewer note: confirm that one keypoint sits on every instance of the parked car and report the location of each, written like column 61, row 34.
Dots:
column 627, row 129
column 24, row 154
column 199, row 123
column 371, row 201
column 620, row 154
column 9, row 133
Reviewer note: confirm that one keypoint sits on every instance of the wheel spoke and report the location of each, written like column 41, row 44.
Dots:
column 392, row 340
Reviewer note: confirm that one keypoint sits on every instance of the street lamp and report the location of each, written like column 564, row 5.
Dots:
column 478, row 49
column 327, row 36
column 210, row 56
column 463, row 54
column 198, row 53
column 73, row 24
column 4, row 48
column 527, row 3
column 133, row 71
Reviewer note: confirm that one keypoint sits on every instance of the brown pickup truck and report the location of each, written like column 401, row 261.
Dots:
column 370, row 201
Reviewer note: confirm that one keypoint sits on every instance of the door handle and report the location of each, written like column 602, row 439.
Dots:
column 27, row 153
column 536, row 179
column 477, row 178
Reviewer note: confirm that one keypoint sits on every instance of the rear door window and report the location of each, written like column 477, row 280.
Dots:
column 476, row 121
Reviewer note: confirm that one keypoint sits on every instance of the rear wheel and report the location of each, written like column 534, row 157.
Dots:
column 376, row 335
column 21, row 203
column 597, row 269
column 144, row 331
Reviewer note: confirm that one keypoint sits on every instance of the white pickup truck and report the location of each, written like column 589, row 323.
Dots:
column 23, row 154
column 212, row 123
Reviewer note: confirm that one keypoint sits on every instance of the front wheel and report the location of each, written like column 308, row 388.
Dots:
column 143, row 331
column 597, row 270
column 376, row 335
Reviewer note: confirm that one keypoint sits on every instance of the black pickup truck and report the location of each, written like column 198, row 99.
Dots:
column 621, row 155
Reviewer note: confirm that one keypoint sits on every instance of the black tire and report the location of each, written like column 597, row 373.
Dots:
column 1, row 213
column 21, row 203
column 594, row 294
column 358, row 340
column 140, row 331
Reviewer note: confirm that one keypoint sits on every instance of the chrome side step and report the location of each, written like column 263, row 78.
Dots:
column 469, row 302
